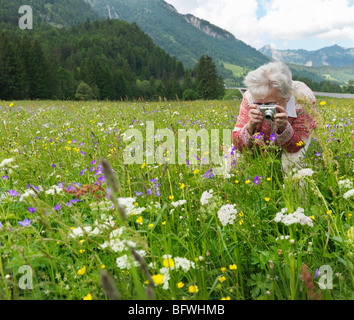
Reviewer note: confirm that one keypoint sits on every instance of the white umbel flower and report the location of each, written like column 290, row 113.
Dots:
column 5, row 162
column 227, row 214
column 206, row 195
column 348, row 194
column 307, row 172
column 296, row 217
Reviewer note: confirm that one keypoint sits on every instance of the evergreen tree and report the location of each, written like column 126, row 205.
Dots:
column 209, row 84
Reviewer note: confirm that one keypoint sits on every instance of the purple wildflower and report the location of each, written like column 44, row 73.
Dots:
column 12, row 193
column 32, row 209
column 272, row 137
column 57, row 207
column 316, row 273
column 256, row 180
column 209, row 174
column 25, row 222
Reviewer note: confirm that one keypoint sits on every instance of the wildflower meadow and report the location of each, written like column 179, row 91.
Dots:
column 79, row 222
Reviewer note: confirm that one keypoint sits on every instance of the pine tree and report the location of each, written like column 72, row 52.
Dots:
column 209, row 84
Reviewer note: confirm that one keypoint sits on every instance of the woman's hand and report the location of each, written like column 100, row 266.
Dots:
column 281, row 118
column 255, row 117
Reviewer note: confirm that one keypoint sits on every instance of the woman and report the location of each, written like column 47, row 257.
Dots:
column 291, row 126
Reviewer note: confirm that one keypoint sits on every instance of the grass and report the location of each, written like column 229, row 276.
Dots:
column 97, row 228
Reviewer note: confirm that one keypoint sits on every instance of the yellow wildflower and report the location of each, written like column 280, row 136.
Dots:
column 168, row 263
column 232, row 267
column 193, row 289
column 222, row 279
column 139, row 220
column 81, row 271
column 267, row 199
column 180, row 285
column 157, row 278
column 88, row 297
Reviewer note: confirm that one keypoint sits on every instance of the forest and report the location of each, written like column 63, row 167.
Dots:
column 109, row 59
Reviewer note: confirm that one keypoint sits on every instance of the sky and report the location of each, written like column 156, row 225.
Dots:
column 285, row 24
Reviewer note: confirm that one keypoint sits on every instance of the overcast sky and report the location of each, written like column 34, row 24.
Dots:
column 286, row 24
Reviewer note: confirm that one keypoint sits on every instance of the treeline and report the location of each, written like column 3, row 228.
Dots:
column 327, row 86
column 109, row 59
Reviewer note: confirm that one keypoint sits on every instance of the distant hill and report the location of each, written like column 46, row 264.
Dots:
column 335, row 56
column 184, row 36
column 57, row 13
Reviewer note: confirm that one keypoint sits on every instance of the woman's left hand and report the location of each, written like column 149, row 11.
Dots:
column 281, row 118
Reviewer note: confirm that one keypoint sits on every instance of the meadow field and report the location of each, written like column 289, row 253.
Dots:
column 77, row 222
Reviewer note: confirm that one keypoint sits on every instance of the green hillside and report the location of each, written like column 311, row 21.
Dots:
column 184, row 36
column 58, row 13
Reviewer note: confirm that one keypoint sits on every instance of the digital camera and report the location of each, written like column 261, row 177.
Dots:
column 268, row 111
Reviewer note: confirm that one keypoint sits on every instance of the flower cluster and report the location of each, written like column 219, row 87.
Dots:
column 227, row 214
column 302, row 173
column 295, row 217
column 345, row 184
column 348, row 194
column 206, row 195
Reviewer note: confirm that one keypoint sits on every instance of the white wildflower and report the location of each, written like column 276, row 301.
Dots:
column 348, row 194
column 5, row 162
column 206, row 196
column 166, row 277
column 183, row 263
column 303, row 173
column 295, row 217
column 129, row 205
column 227, row 214
column 125, row 262
column 345, row 184
column 79, row 232
column 54, row 190
column 178, row 203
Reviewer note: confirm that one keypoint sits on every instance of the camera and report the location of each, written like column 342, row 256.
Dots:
column 268, row 111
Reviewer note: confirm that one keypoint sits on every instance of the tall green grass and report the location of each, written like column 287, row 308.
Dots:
column 154, row 247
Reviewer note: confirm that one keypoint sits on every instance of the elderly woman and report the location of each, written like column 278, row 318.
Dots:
column 291, row 126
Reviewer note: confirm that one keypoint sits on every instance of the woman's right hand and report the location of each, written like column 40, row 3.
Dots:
column 255, row 117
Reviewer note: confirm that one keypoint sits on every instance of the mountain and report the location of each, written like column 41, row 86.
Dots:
column 335, row 56
column 184, row 36
column 57, row 13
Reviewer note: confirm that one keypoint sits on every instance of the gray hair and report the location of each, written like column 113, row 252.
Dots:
column 273, row 75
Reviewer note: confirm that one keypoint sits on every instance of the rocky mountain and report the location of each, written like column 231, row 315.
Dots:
column 329, row 56
column 184, row 36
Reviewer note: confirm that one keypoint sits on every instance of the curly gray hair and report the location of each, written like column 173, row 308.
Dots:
column 273, row 75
